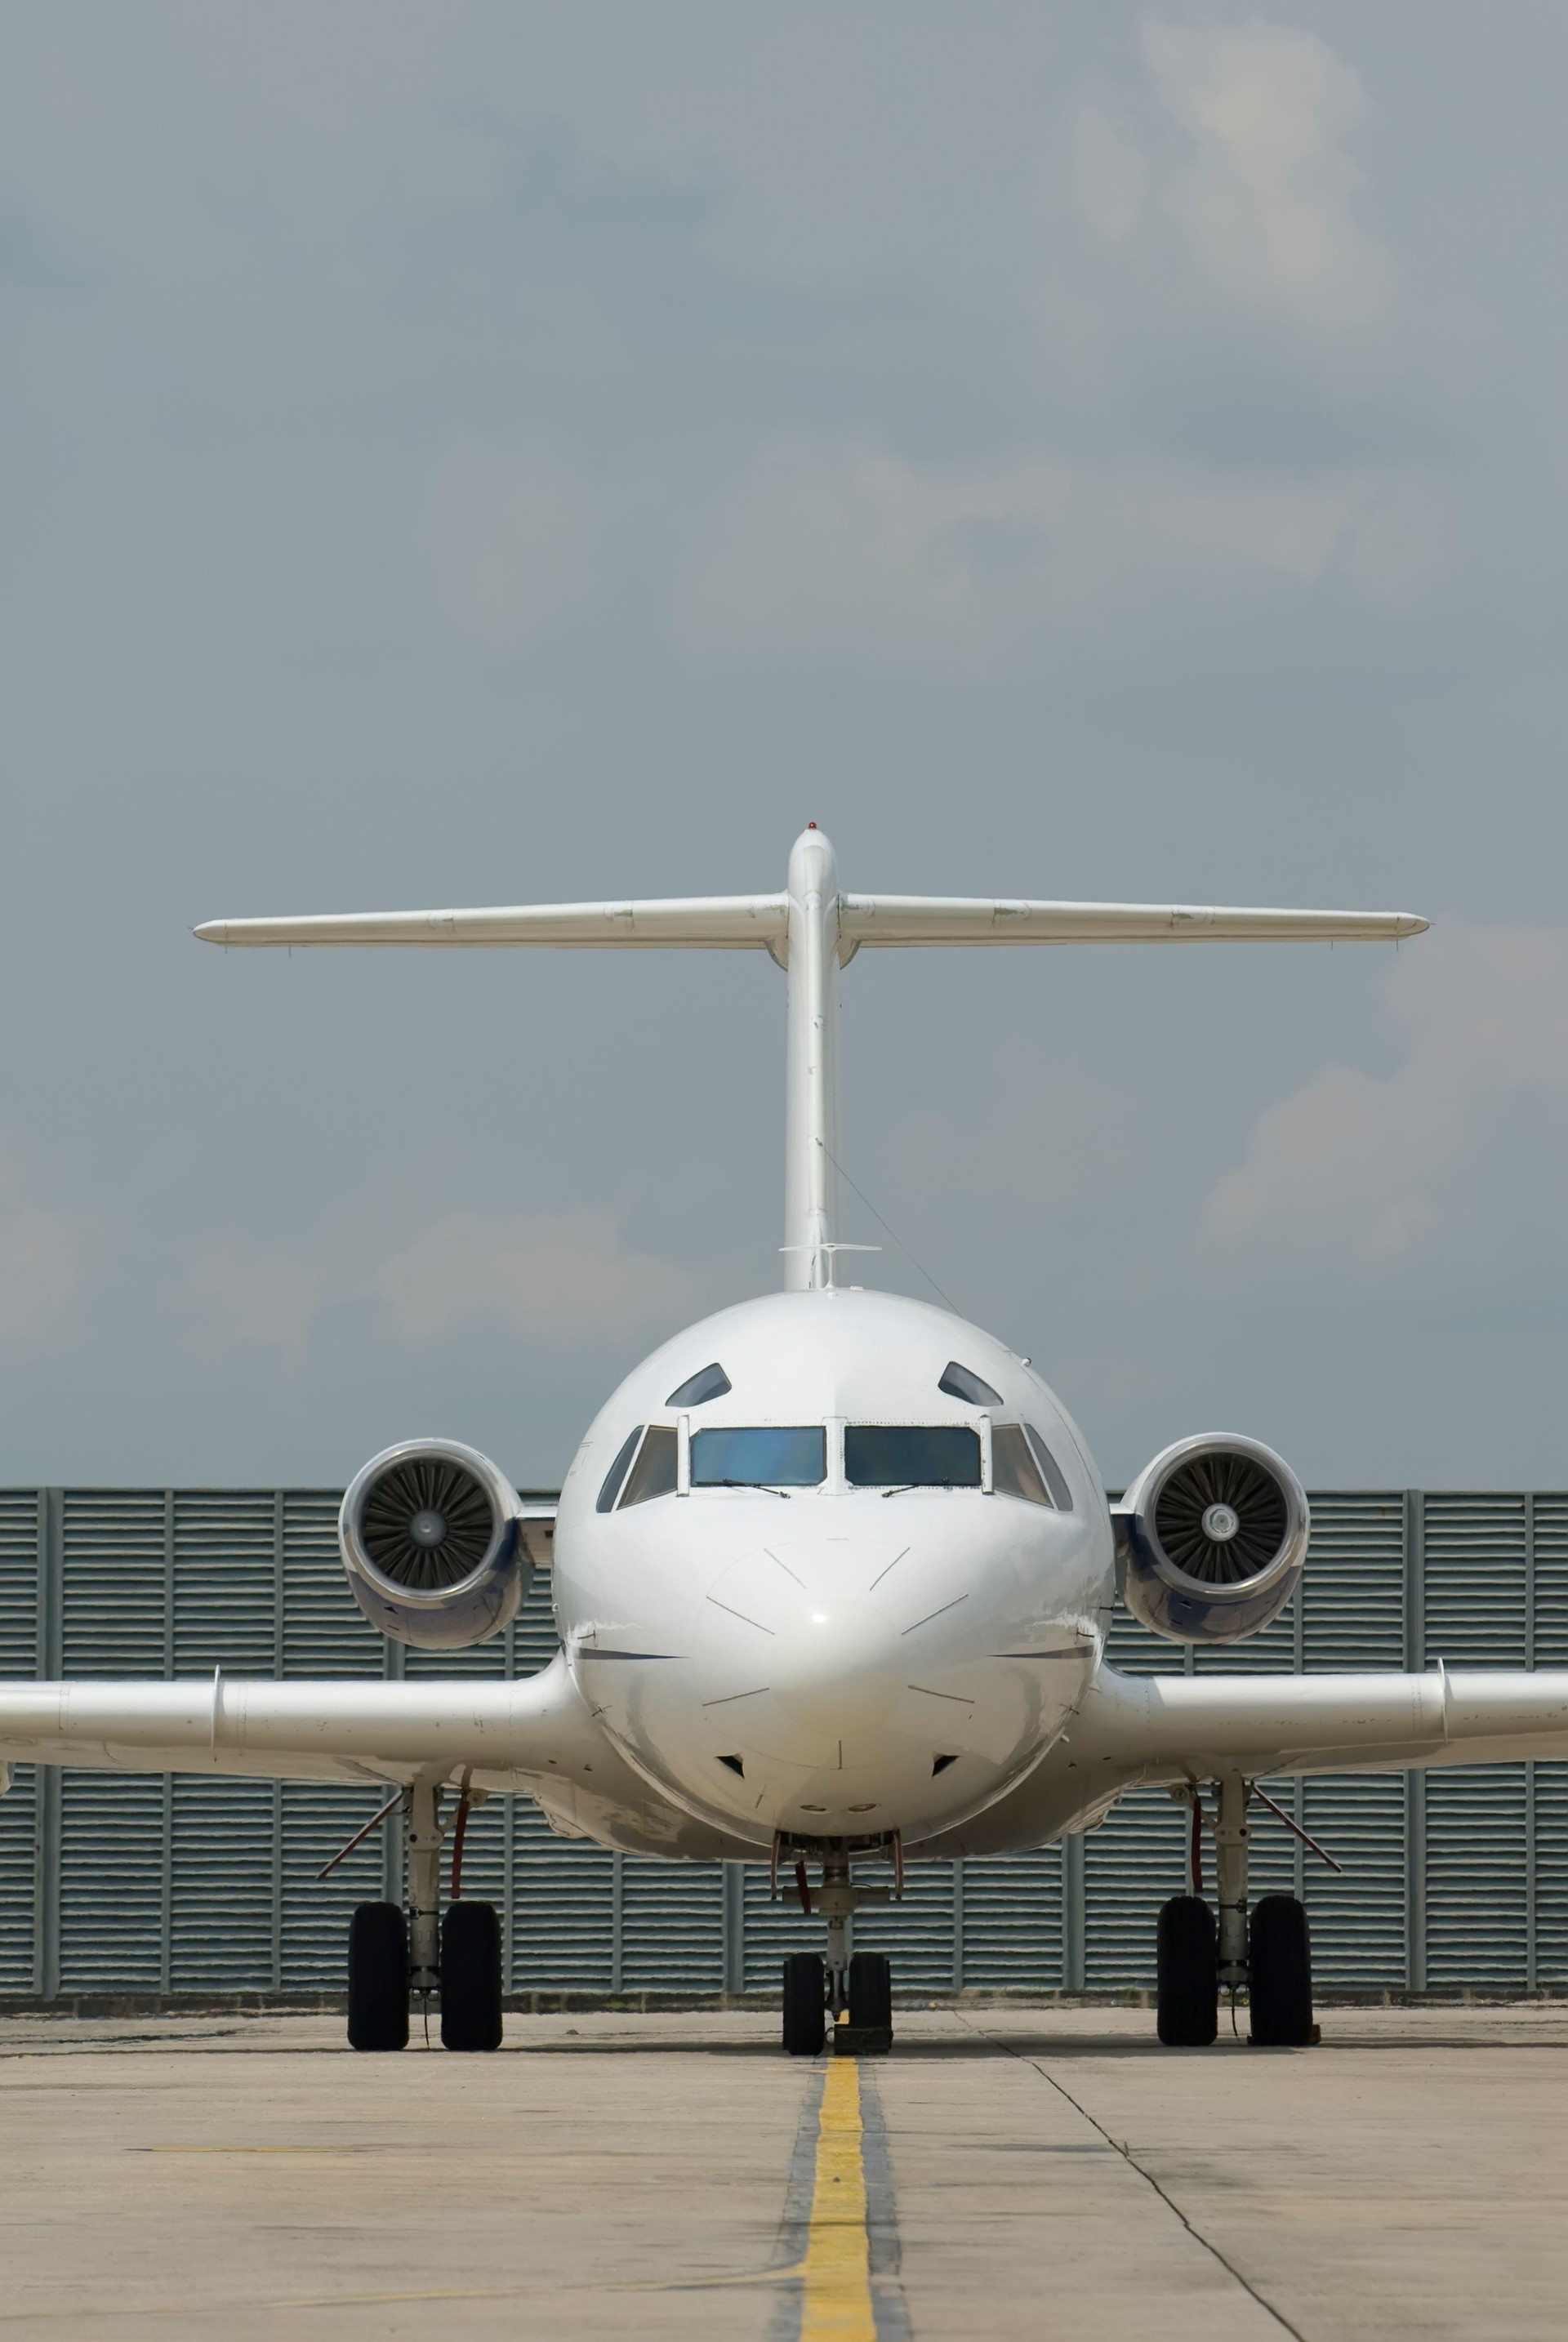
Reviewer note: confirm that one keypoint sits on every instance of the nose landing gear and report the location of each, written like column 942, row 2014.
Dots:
column 856, row 1988
column 1271, row 1957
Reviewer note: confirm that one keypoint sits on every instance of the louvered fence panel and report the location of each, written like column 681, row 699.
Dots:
column 21, row 1535
column 1550, row 1908
column 1010, row 1922
column 1476, row 1567
column 1477, row 1900
column 1132, row 1863
column 1549, row 1524
column 565, row 1920
column 224, row 1847
column 118, row 1563
column 771, row 1929
column 1353, row 1615
column 1358, row 1921
column 312, row 1923
column 917, row 1933
column 200, row 1884
column 671, row 1926
column 1353, row 1593
column 1474, row 1579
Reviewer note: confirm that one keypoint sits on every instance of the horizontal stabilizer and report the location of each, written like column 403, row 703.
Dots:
column 713, row 922
column 911, row 919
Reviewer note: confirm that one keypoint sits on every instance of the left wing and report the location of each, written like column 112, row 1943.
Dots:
column 1137, row 1731
column 1186, row 1728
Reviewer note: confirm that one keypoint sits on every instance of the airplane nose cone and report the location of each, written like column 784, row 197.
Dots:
column 836, row 1667
column 830, row 1633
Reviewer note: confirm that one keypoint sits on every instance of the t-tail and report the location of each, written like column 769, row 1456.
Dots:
column 812, row 929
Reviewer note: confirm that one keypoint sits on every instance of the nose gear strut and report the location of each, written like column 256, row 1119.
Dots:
column 855, row 1987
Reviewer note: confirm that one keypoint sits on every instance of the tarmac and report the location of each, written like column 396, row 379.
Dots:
column 1006, row 2172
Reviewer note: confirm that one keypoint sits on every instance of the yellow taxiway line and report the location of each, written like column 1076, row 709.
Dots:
column 836, row 2271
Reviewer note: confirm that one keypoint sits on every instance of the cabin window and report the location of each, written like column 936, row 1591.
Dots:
column 959, row 1383
column 764, row 1456
column 1014, row 1471
column 653, row 1473
column 617, row 1473
column 1055, row 1478
column 698, row 1389
column 911, row 1455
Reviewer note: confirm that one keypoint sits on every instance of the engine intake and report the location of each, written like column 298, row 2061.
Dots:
column 433, row 1543
column 1213, row 1535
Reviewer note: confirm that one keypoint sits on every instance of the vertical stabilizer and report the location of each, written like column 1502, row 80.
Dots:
column 811, row 1079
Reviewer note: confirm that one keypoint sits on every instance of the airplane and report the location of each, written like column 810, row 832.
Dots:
column 908, row 1665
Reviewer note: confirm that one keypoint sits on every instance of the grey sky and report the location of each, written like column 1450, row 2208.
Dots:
column 510, row 453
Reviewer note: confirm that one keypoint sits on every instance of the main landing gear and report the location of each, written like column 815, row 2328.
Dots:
column 393, row 1954
column 856, row 1987
column 1271, row 1958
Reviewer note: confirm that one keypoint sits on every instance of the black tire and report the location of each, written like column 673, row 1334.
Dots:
column 378, row 1978
column 871, row 1990
column 1189, row 1974
column 1280, row 1964
column 471, row 1977
column 805, row 2004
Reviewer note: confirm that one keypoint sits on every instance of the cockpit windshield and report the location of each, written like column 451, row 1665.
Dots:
column 767, row 1456
column 911, row 1455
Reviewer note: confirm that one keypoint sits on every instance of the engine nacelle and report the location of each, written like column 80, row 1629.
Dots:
column 1212, row 1537
column 433, row 1542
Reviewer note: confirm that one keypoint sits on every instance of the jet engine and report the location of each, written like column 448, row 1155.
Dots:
column 1212, row 1537
column 433, row 1541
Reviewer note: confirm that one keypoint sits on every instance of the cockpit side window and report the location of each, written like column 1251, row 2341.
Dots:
column 763, row 1455
column 617, row 1473
column 654, row 1472
column 698, row 1389
column 1014, row 1471
column 1055, row 1478
column 960, row 1384
column 911, row 1455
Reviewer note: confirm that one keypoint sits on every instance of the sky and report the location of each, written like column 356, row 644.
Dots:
column 507, row 453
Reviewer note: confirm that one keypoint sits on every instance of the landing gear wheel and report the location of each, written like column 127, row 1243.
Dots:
column 805, row 2004
column 378, row 1978
column 1280, row 1960
column 471, row 1978
column 871, row 1992
column 1189, row 1974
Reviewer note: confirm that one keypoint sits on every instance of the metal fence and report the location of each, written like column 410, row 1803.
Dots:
column 124, row 1884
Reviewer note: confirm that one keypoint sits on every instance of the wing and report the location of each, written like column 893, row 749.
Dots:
column 355, row 1729
column 1134, row 1731
column 1184, row 1728
column 874, row 920
column 715, row 923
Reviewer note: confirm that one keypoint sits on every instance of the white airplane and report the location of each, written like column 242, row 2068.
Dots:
column 907, row 1665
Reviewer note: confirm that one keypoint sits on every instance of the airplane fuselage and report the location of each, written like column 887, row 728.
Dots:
column 891, row 1618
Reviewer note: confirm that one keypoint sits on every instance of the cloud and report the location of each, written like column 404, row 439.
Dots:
column 567, row 1276
column 1244, row 155
column 1447, row 1168
column 854, row 550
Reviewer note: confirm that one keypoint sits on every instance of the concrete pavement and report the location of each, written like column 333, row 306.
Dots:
column 1007, row 2172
